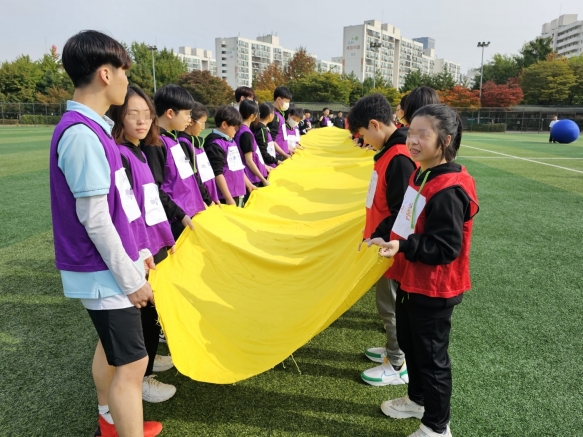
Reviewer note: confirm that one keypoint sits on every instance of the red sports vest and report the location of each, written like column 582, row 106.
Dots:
column 379, row 209
column 445, row 280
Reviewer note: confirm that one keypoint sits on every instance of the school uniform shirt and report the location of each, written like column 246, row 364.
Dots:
column 262, row 138
column 437, row 250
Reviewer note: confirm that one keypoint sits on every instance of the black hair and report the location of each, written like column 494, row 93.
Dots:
column 118, row 113
column 372, row 107
column 265, row 110
column 295, row 112
column 172, row 97
column 244, row 91
column 283, row 92
column 446, row 121
column 323, row 110
column 307, row 111
column 403, row 101
column 87, row 51
column 228, row 114
column 339, row 112
column 418, row 98
column 198, row 111
column 247, row 108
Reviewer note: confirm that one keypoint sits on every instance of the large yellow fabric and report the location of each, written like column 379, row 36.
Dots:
column 249, row 286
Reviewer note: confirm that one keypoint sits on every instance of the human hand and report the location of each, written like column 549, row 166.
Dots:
column 388, row 250
column 187, row 222
column 173, row 250
column 149, row 264
column 142, row 296
column 231, row 202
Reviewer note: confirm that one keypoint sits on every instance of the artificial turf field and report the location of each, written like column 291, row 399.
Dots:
column 516, row 344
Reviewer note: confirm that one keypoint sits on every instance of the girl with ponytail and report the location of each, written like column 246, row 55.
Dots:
column 433, row 231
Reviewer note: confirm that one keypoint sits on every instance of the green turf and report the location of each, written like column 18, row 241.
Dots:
column 516, row 341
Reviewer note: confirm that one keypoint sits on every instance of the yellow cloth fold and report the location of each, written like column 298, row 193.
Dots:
column 248, row 287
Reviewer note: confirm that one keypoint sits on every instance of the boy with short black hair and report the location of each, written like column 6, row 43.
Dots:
column 243, row 93
column 224, row 157
column 281, row 99
column 173, row 164
column 372, row 117
column 95, row 249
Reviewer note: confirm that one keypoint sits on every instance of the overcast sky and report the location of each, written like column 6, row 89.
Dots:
column 32, row 26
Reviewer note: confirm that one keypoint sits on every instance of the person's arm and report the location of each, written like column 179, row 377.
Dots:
column 274, row 126
column 222, row 185
column 280, row 151
column 206, row 197
column 398, row 173
column 156, row 157
column 441, row 243
column 246, row 145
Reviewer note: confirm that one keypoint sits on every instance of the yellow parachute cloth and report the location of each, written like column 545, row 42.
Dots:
column 248, row 287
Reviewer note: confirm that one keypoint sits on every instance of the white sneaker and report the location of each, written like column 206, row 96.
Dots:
column 155, row 391
column 402, row 408
column 162, row 337
column 425, row 431
column 376, row 354
column 385, row 374
column 162, row 363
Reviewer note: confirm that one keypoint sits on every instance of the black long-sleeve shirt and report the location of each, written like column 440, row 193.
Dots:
column 274, row 125
column 216, row 155
column 261, row 138
column 397, row 177
column 445, row 215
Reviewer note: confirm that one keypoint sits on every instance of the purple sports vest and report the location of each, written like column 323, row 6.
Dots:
column 74, row 250
column 235, row 179
column 280, row 139
column 148, row 235
column 250, row 175
column 183, row 192
column 210, row 185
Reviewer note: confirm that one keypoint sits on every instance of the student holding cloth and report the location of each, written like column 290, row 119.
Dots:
column 133, row 126
column 255, row 169
column 263, row 135
column 306, row 123
column 281, row 98
column 433, row 231
column 225, row 159
column 203, row 169
column 294, row 116
column 95, row 249
column 173, row 164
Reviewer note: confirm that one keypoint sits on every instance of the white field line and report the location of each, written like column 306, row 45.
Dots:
column 525, row 159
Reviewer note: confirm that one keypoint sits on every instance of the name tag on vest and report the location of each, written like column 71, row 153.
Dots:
column 372, row 189
column 152, row 205
column 234, row 159
column 126, row 194
column 271, row 148
column 259, row 156
column 181, row 161
column 402, row 226
column 204, row 167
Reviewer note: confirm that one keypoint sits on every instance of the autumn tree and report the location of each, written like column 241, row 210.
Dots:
column 206, row 88
column 548, row 82
column 501, row 96
column 300, row 65
column 270, row 78
column 392, row 94
column 460, row 97
column 499, row 70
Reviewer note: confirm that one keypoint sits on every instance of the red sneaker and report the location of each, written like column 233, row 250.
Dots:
column 105, row 429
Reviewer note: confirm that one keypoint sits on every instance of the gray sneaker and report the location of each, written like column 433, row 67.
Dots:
column 155, row 391
column 402, row 408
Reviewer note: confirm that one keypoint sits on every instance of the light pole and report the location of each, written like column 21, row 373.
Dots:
column 153, row 49
column 483, row 45
column 374, row 45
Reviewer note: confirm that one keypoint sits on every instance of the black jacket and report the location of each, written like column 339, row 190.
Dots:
column 260, row 131
column 216, row 155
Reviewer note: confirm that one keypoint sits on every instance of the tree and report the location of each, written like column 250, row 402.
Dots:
column 18, row 79
column 442, row 81
column 300, row 65
column 357, row 87
column 270, row 78
column 548, row 82
column 54, row 86
column 321, row 87
column 206, row 88
column 501, row 96
column 168, row 67
column 534, row 51
column 264, row 95
column 413, row 79
column 392, row 94
column 576, row 66
column 460, row 97
column 499, row 70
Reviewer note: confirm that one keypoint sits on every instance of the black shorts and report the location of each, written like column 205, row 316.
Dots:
column 121, row 335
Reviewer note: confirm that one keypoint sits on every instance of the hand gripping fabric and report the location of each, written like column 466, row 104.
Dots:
column 248, row 287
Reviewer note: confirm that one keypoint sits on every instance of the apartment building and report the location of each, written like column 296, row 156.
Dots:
column 198, row 59
column 566, row 33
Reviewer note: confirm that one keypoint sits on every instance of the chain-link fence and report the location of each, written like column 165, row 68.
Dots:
column 517, row 119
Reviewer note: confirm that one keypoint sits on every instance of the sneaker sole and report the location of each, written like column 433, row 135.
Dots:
column 383, row 383
column 399, row 414
column 161, row 369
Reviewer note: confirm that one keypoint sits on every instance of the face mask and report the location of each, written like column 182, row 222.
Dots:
column 292, row 123
column 285, row 106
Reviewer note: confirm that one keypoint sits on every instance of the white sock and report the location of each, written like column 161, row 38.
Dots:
column 104, row 412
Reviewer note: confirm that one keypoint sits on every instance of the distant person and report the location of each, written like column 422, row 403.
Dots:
column 551, row 124
column 399, row 113
column 95, row 249
column 306, row 124
column 243, row 93
column 339, row 121
column 281, row 98
column 325, row 118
